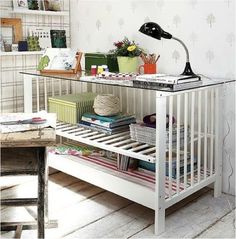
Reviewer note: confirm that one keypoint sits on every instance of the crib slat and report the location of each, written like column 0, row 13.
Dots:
column 105, row 138
column 53, row 88
column 134, row 101
column 143, row 146
column 97, row 136
column 199, row 135
column 205, row 132
column 178, row 145
column 148, row 151
column 115, row 140
column 141, row 104
column 67, row 87
column 192, row 137
column 130, row 145
column 185, row 137
column 170, row 143
column 45, row 94
column 37, row 93
column 123, row 142
column 212, row 131
column 60, row 87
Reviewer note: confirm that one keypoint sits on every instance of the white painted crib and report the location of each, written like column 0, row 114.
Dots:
column 197, row 111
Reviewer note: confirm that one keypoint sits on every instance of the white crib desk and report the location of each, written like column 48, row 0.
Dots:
column 195, row 150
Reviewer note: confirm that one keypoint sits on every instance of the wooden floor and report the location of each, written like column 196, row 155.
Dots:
column 86, row 211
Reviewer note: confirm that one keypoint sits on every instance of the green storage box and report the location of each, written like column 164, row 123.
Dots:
column 99, row 59
column 70, row 108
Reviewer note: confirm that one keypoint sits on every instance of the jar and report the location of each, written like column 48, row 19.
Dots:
column 93, row 70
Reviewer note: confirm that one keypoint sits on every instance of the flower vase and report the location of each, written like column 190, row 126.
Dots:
column 127, row 64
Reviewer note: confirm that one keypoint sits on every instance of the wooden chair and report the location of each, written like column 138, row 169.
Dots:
column 24, row 153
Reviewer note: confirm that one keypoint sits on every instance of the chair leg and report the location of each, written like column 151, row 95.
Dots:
column 41, row 192
column 18, row 231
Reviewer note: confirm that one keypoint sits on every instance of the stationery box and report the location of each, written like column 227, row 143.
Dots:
column 101, row 59
column 70, row 108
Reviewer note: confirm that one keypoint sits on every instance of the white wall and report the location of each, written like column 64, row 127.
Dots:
column 207, row 27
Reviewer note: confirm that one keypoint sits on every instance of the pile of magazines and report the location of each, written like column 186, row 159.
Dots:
column 145, row 134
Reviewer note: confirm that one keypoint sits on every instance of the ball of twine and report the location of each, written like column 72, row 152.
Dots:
column 106, row 105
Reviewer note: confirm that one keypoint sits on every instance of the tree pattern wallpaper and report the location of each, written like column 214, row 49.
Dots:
column 207, row 27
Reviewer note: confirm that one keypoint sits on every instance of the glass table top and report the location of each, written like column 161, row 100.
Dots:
column 132, row 81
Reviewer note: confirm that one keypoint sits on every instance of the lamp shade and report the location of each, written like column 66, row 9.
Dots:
column 152, row 29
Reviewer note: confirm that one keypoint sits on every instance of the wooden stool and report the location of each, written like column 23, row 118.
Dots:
column 24, row 153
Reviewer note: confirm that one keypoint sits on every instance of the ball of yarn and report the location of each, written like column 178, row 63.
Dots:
column 106, row 105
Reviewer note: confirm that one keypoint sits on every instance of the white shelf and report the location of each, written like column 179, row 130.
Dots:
column 40, row 12
column 111, row 180
column 120, row 143
column 20, row 53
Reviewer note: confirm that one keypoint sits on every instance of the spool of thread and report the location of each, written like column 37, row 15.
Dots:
column 106, row 105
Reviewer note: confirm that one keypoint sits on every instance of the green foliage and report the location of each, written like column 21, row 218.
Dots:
column 33, row 43
column 126, row 48
column 44, row 61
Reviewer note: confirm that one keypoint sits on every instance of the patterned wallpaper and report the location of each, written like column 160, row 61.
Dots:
column 206, row 26
column 11, row 82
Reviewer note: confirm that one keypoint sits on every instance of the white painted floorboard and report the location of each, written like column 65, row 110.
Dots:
column 86, row 211
column 223, row 228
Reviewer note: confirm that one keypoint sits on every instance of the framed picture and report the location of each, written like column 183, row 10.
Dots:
column 16, row 25
column 20, row 4
column 33, row 4
column 57, row 60
column 54, row 5
column 58, row 38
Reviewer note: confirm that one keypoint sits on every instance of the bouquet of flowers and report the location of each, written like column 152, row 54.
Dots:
column 126, row 48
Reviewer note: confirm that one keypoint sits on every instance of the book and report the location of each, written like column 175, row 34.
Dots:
column 155, row 85
column 108, row 124
column 168, row 79
column 102, row 129
column 115, row 118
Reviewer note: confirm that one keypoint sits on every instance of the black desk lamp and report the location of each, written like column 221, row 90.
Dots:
column 152, row 29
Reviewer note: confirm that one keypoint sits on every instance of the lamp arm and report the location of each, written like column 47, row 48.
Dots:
column 185, row 47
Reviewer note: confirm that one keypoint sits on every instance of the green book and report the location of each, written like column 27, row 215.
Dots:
column 115, row 118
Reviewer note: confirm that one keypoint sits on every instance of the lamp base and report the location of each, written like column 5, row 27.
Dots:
column 188, row 70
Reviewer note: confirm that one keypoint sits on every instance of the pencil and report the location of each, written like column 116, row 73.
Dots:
column 157, row 58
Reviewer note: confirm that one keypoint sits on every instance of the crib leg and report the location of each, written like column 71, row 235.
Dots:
column 160, row 163
column 159, row 226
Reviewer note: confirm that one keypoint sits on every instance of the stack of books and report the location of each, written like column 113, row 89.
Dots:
column 107, row 124
column 167, row 82
column 126, row 163
column 152, row 166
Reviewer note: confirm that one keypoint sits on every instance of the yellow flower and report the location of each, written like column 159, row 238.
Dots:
column 131, row 48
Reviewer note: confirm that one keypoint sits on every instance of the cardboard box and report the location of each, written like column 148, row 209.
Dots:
column 70, row 108
column 99, row 59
